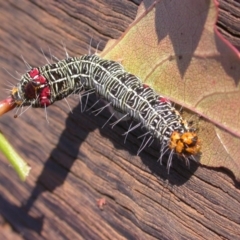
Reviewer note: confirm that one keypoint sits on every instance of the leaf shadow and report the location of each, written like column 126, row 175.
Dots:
column 229, row 60
column 183, row 24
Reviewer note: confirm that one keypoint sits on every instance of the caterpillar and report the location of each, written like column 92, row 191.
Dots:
column 124, row 92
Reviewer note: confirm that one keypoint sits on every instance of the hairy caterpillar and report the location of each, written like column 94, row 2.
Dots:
column 124, row 92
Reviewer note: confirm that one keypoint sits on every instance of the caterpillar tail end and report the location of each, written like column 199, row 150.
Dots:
column 185, row 144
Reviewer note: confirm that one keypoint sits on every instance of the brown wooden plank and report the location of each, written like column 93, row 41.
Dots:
column 229, row 20
column 75, row 162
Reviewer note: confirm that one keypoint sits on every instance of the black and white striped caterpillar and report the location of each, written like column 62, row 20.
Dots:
column 124, row 92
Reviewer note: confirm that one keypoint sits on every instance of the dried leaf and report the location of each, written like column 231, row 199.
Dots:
column 175, row 48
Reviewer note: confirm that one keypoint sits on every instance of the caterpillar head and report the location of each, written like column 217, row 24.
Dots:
column 32, row 90
column 185, row 143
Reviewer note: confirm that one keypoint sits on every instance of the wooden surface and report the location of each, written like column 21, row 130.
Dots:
column 229, row 21
column 75, row 162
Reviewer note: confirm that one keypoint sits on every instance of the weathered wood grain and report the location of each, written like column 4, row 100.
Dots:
column 229, row 20
column 75, row 162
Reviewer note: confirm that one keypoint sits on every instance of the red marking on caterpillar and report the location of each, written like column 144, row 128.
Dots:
column 124, row 92
column 163, row 99
column 37, row 88
column 34, row 73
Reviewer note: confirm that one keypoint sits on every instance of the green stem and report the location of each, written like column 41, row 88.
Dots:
column 20, row 166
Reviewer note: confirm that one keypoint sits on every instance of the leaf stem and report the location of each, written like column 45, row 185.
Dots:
column 20, row 166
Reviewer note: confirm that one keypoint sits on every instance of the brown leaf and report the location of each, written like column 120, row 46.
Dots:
column 175, row 48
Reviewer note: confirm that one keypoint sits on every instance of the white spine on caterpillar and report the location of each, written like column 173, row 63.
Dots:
column 41, row 87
